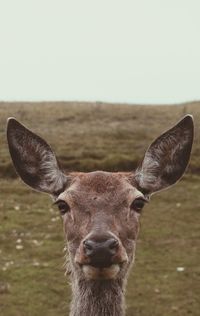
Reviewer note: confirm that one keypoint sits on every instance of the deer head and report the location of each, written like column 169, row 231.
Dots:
column 101, row 210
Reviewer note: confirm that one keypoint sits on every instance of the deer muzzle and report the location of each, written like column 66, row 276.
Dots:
column 101, row 253
column 101, row 256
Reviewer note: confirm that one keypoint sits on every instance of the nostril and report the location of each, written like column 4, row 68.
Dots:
column 114, row 244
column 88, row 244
column 89, row 247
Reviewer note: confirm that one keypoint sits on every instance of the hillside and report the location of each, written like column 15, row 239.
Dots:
column 165, row 279
column 90, row 136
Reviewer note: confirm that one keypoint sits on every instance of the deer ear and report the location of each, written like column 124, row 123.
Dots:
column 167, row 157
column 34, row 160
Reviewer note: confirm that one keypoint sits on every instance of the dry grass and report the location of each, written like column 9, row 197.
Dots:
column 96, row 136
column 110, row 137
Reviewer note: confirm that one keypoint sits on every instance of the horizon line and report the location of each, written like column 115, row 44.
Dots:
column 99, row 102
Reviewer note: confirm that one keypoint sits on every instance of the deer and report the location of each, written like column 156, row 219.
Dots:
column 100, row 210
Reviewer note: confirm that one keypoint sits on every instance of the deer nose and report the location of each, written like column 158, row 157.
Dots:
column 101, row 253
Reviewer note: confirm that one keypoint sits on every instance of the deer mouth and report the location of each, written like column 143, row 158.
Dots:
column 101, row 270
column 94, row 272
column 101, row 260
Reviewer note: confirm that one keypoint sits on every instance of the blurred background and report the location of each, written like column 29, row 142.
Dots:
column 99, row 80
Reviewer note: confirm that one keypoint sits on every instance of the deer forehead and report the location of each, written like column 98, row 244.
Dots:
column 100, row 188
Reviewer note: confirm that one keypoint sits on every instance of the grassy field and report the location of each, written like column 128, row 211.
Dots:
column 109, row 137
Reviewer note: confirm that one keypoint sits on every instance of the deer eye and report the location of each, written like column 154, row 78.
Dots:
column 62, row 206
column 138, row 204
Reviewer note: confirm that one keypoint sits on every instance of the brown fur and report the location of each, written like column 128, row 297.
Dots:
column 100, row 207
column 100, row 203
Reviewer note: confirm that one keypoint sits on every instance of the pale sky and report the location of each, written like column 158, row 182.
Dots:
column 134, row 51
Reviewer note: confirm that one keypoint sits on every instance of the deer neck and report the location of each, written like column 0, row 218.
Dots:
column 99, row 298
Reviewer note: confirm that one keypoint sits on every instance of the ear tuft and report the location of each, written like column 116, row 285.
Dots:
column 33, row 159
